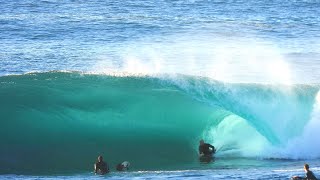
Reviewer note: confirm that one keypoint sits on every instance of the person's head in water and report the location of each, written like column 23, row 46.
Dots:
column 306, row 167
column 123, row 166
column 100, row 158
column 201, row 142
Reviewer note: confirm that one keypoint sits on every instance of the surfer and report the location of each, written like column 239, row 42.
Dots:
column 123, row 166
column 100, row 166
column 206, row 149
column 309, row 174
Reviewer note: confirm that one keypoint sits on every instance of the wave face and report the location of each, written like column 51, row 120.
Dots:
column 61, row 121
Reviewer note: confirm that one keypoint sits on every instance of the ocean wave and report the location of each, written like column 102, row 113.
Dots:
column 68, row 118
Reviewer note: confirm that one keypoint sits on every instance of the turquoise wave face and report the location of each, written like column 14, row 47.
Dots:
column 60, row 122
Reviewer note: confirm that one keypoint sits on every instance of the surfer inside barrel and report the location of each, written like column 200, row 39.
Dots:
column 206, row 149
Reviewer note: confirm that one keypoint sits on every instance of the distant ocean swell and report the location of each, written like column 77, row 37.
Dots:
column 60, row 121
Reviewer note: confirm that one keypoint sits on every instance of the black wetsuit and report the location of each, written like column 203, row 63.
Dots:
column 310, row 176
column 205, row 149
column 102, row 167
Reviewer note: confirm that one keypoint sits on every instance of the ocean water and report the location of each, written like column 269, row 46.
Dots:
column 143, row 81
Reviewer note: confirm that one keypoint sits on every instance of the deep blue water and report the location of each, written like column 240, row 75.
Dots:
column 241, row 74
column 190, row 37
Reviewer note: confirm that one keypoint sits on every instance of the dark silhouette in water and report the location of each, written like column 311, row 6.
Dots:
column 123, row 166
column 206, row 151
column 101, row 167
column 309, row 174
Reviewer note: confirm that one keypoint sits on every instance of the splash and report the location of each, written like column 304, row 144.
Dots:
column 232, row 59
column 307, row 145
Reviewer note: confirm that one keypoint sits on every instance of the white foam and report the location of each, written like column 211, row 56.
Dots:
column 307, row 145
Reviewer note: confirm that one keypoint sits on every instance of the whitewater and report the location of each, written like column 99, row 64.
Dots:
column 144, row 81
